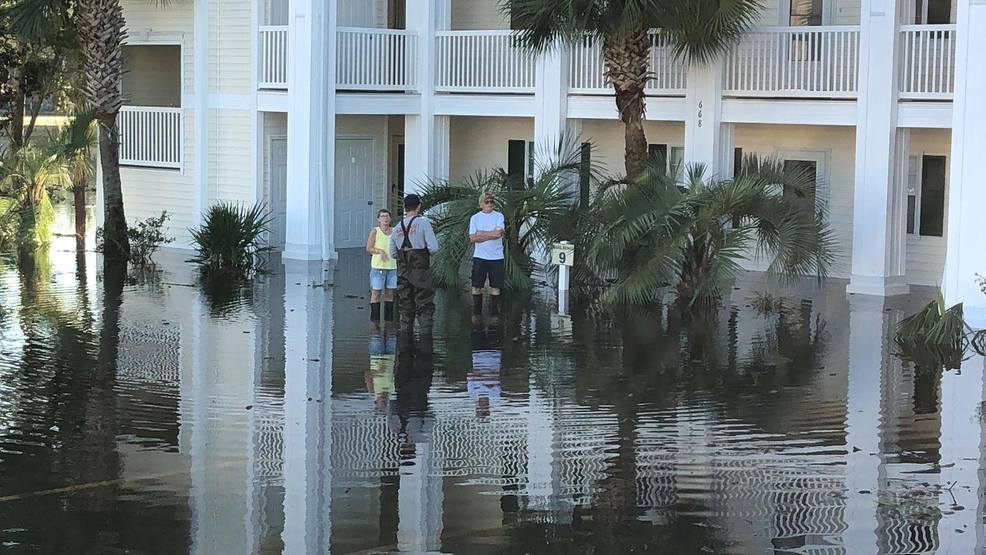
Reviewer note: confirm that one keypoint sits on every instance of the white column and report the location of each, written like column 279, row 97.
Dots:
column 965, row 254
column 878, row 232
column 426, row 137
column 307, row 423
column 961, row 443
column 540, row 449
column 200, row 107
column 703, row 114
column 311, row 130
column 866, row 362
column 551, row 101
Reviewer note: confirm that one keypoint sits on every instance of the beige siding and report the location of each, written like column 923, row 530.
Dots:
column 607, row 138
column 477, row 15
column 146, row 192
column 926, row 255
column 370, row 127
column 839, row 145
column 480, row 143
column 231, row 157
column 362, row 13
column 230, row 47
column 838, row 12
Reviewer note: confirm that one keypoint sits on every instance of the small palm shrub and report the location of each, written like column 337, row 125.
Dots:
column 532, row 211
column 654, row 232
column 9, row 222
column 232, row 239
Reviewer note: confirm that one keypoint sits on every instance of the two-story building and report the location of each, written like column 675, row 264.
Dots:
column 327, row 110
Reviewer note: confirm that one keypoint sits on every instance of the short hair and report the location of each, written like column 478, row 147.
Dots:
column 485, row 195
column 383, row 211
column 412, row 202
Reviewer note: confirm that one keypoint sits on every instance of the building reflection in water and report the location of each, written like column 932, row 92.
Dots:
column 297, row 427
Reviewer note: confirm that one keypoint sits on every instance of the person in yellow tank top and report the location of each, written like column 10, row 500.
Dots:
column 383, row 268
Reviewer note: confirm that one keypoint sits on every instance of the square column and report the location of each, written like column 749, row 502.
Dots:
column 311, row 130
column 703, row 116
column 426, row 136
column 878, row 194
column 965, row 255
column 551, row 101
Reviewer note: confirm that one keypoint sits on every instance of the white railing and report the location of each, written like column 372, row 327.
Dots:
column 273, row 57
column 587, row 74
column 795, row 62
column 927, row 61
column 375, row 59
column 483, row 61
column 151, row 136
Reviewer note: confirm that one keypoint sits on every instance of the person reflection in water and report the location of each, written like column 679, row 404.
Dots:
column 483, row 381
column 380, row 374
column 412, row 380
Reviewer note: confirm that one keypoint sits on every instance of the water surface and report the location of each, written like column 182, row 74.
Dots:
column 158, row 416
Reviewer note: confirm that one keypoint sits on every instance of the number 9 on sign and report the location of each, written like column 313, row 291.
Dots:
column 563, row 254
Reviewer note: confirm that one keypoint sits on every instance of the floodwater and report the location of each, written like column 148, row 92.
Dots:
column 159, row 416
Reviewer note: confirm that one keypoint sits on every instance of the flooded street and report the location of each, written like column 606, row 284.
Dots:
column 165, row 417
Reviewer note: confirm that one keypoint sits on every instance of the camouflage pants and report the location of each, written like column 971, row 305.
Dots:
column 415, row 296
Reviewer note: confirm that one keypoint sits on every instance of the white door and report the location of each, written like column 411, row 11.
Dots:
column 278, row 191
column 353, row 192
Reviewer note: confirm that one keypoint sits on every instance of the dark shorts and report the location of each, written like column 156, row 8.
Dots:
column 482, row 269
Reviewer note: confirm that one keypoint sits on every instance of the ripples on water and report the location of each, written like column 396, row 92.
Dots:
column 274, row 418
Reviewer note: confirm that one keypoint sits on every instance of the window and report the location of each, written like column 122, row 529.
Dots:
column 520, row 160
column 658, row 155
column 933, row 12
column 396, row 14
column 805, row 13
column 152, row 75
column 926, row 195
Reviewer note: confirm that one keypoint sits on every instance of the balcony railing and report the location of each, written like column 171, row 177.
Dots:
column 273, row 57
column 795, row 62
column 375, row 59
column 587, row 73
column 927, row 56
column 151, row 136
column 483, row 61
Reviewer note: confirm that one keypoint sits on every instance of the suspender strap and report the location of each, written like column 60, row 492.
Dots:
column 406, row 244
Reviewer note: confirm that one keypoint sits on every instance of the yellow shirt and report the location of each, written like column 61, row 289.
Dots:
column 382, row 242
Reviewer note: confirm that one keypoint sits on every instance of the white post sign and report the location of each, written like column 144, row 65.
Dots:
column 563, row 256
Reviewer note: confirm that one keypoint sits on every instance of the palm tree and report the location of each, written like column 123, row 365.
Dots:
column 693, row 237
column 532, row 210
column 100, row 25
column 698, row 30
column 77, row 140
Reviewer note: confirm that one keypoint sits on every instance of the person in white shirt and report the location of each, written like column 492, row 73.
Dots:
column 486, row 232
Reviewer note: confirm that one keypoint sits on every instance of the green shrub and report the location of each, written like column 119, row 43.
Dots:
column 9, row 223
column 146, row 237
column 232, row 238
column 34, row 227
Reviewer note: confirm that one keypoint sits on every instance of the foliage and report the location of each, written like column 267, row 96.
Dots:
column 9, row 222
column 698, row 31
column 34, row 227
column 532, row 211
column 231, row 239
column 653, row 232
column 935, row 337
column 146, row 237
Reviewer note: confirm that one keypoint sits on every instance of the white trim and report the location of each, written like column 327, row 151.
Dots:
column 377, row 104
column 789, row 112
column 925, row 115
column 604, row 107
column 272, row 101
column 485, row 105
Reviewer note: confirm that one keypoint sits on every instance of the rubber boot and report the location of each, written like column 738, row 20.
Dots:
column 374, row 312
column 494, row 305
column 388, row 311
column 477, row 305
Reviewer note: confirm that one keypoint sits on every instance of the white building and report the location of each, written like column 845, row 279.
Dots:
column 329, row 109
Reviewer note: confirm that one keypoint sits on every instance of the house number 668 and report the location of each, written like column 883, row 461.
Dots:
column 700, row 106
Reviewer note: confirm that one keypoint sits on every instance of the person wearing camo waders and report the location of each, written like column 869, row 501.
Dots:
column 412, row 244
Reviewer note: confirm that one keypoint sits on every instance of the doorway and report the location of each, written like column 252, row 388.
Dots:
column 277, row 190
column 353, row 192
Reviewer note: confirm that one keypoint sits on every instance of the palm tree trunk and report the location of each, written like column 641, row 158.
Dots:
column 116, row 245
column 627, row 61
column 79, row 192
column 17, row 108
